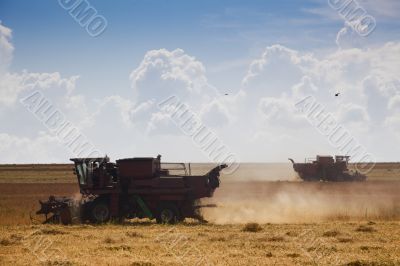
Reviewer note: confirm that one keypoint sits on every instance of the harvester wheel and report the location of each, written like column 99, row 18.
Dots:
column 167, row 214
column 100, row 212
column 65, row 216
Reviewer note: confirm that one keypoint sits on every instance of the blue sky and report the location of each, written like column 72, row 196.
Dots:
column 216, row 32
column 262, row 53
column 47, row 38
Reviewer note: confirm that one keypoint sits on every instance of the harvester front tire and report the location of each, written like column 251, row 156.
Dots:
column 167, row 213
column 100, row 212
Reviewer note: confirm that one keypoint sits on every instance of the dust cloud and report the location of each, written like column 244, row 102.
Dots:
column 251, row 171
column 303, row 202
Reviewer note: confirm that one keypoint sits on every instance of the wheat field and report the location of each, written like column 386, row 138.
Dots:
column 145, row 243
column 259, row 220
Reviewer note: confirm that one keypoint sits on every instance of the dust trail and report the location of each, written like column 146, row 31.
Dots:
column 291, row 202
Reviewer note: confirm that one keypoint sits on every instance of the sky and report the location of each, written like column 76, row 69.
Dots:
column 249, row 73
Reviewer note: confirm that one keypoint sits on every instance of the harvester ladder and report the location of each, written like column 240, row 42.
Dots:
column 144, row 207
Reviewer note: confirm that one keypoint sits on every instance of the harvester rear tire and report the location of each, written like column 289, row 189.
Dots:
column 167, row 213
column 100, row 212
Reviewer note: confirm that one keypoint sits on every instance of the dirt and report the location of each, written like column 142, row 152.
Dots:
column 295, row 202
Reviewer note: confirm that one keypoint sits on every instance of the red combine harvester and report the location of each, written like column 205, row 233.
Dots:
column 133, row 188
column 325, row 168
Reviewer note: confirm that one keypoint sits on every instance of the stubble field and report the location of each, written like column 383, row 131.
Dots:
column 258, row 221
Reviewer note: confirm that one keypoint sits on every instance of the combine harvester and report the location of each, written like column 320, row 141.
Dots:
column 325, row 168
column 132, row 188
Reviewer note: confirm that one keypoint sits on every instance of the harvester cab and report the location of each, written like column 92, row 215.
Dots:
column 94, row 173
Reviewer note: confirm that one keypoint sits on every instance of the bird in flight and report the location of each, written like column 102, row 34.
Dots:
column 226, row 94
column 337, row 94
